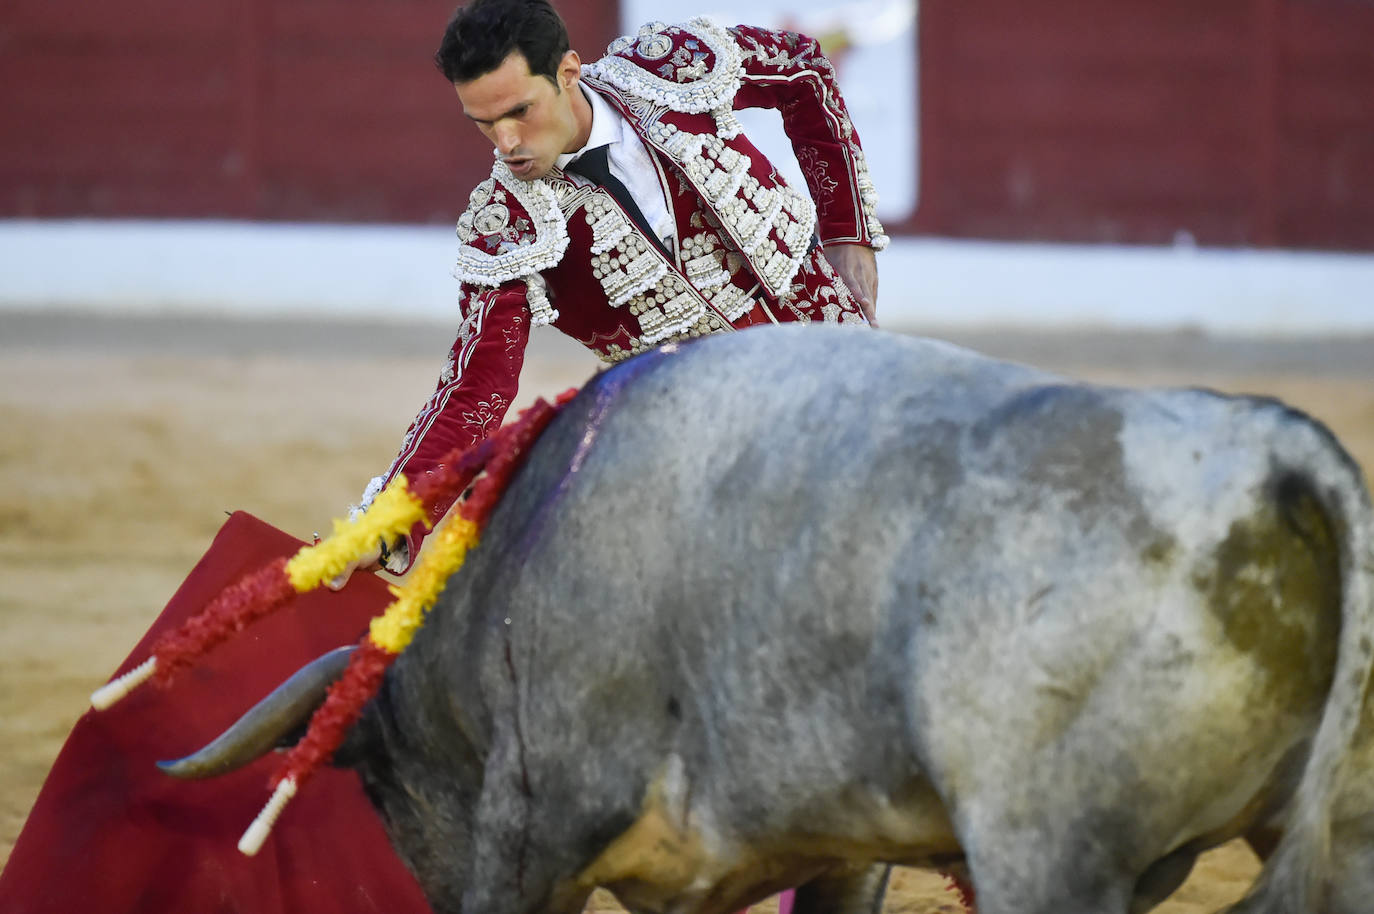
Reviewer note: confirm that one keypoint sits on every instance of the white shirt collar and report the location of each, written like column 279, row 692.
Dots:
column 606, row 127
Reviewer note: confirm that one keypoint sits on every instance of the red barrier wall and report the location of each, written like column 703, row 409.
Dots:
column 1239, row 122
column 261, row 109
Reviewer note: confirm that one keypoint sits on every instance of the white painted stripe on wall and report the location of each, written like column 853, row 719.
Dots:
column 404, row 271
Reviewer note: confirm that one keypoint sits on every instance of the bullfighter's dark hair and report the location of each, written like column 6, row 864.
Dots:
column 481, row 35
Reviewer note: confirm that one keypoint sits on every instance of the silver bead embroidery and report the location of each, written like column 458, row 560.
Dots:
column 653, row 46
column 519, row 259
column 491, row 218
column 641, row 273
column 542, row 311
column 732, row 301
column 609, row 225
column 705, row 272
column 706, row 91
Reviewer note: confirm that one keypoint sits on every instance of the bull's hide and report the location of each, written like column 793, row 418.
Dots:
column 773, row 602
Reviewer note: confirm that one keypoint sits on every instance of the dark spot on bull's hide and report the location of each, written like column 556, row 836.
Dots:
column 1159, row 551
column 1274, row 585
column 933, row 449
column 1088, row 837
column 674, row 709
column 1063, row 441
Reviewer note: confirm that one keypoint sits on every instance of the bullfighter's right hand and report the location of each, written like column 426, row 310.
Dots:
column 368, row 561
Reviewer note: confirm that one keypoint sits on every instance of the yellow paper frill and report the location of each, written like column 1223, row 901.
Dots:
column 391, row 515
column 393, row 630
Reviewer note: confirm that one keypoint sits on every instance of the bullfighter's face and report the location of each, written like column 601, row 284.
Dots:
column 530, row 119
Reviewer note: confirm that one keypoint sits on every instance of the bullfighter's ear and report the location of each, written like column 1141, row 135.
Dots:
column 270, row 723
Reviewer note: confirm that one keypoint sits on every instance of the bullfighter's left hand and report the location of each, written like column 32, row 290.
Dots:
column 858, row 267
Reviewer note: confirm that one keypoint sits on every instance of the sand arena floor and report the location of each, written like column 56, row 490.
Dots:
column 126, row 440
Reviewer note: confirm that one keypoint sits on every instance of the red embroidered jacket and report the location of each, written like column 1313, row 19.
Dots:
column 560, row 250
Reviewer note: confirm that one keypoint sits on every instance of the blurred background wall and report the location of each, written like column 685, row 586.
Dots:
column 1225, row 122
column 1235, row 122
column 1134, row 163
column 304, row 110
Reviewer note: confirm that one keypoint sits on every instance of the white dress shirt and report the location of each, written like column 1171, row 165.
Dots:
column 629, row 161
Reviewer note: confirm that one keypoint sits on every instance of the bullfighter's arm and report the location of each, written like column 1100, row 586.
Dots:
column 474, row 391
column 787, row 71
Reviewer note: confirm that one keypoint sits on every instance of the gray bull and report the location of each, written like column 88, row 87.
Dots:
column 766, row 606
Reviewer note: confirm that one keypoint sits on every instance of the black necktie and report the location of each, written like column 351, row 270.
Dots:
column 595, row 166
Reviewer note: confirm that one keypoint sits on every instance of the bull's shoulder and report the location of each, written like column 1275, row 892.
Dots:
column 510, row 229
column 692, row 67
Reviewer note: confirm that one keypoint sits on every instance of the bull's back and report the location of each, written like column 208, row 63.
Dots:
column 747, row 510
column 889, row 558
column 701, row 555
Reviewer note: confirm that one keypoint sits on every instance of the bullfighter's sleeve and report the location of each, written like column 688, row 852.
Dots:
column 474, row 391
column 787, row 71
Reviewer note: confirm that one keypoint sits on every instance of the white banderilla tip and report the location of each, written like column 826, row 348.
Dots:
column 116, row 689
column 257, row 833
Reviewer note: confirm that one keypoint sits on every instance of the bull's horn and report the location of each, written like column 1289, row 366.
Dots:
column 262, row 728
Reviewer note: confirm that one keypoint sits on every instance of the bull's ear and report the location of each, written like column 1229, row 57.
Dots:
column 268, row 724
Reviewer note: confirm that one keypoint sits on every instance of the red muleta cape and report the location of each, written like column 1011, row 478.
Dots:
column 112, row 833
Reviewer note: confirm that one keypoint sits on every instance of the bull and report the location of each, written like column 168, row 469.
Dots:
column 768, row 608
